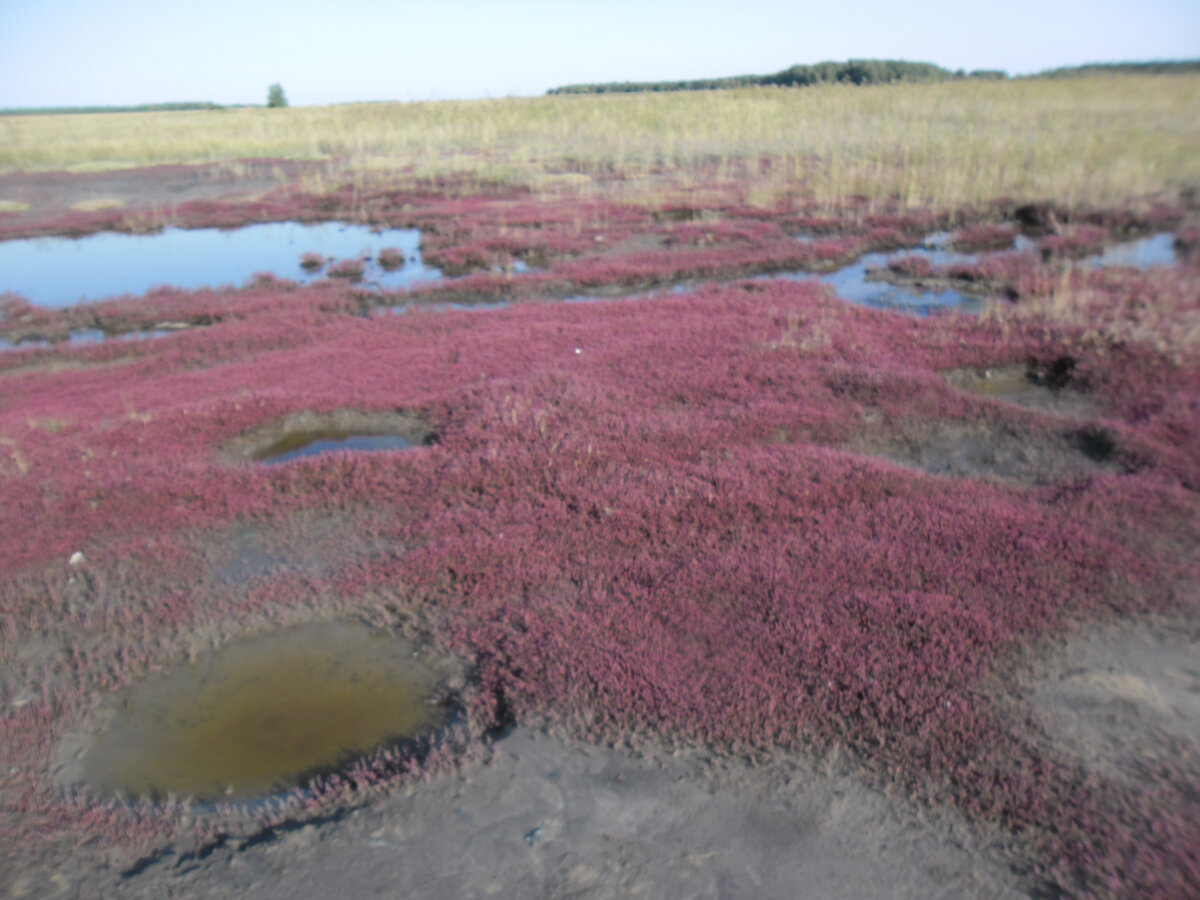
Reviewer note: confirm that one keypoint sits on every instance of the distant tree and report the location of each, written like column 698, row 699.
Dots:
column 275, row 97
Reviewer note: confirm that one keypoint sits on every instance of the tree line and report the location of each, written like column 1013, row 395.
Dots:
column 865, row 71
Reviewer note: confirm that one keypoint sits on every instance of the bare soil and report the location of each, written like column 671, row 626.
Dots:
column 548, row 817
column 155, row 187
column 1125, row 697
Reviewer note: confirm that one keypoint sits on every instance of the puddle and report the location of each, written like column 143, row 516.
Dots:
column 852, row 284
column 1146, row 253
column 304, row 443
column 308, row 434
column 860, row 282
column 402, row 309
column 261, row 716
column 1015, row 384
column 58, row 272
column 90, row 336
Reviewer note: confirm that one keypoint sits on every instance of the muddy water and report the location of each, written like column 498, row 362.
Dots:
column 262, row 716
column 58, row 272
column 314, row 443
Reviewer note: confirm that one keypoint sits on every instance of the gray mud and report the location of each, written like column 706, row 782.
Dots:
column 1013, row 384
column 553, row 818
column 997, row 452
column 1121, row 697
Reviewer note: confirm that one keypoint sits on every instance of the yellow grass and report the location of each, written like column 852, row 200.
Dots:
column 98, row 203
column 13, row 206
column 1090, row 140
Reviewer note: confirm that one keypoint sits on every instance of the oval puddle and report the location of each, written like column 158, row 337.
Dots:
column 307, row 433
column 262, row 716
column 314, row 443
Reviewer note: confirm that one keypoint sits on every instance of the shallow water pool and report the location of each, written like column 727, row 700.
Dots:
column 261, row 716
column 58, row 271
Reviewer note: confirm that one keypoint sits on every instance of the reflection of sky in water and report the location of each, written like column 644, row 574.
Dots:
column 55, row 271
column 93, row 336
column 1156, row 250
column 60, row 271
column 851, row 283
column 359, row 442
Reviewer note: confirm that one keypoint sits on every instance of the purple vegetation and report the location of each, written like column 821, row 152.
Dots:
column 636, row 517
column 391, row 258
column 350, row 269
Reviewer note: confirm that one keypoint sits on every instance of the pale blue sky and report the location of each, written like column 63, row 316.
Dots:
column 84, row 52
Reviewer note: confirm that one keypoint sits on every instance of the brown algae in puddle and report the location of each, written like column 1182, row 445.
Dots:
column 263, row 715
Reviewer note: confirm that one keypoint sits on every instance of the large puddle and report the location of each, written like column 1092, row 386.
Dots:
column 261, row 716
column 58, row 272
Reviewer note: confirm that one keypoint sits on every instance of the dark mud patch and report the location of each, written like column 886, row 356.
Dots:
column 1044, row 391
column 310, row 543
column 552, row 818
column 257, row 717
column 1001, row 452
column 1124, row 698
column 308, row 433
column 149, row 188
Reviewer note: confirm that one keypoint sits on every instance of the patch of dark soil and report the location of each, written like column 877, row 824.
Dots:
column 990, row 451
column 1037, row 219
column 309, row 542
column 152, row 187
column 1045, row 388
column 1096, row 444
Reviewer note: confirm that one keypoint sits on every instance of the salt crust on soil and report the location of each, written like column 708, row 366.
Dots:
column 548, row 818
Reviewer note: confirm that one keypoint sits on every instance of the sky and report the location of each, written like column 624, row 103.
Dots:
column 124, row 52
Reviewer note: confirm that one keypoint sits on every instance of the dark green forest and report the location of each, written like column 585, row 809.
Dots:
column 865, row 71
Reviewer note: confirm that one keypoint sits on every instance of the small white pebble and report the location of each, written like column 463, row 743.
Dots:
column 77, row 558
column 577, row 351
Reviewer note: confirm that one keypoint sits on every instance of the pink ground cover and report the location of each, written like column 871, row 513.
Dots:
column 642, row 515
column 637, row 515
column 983, row 237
